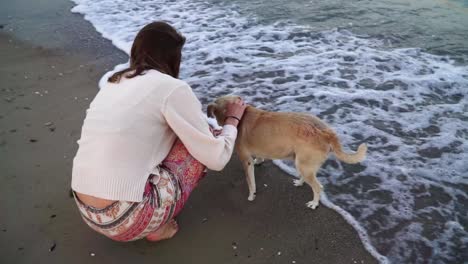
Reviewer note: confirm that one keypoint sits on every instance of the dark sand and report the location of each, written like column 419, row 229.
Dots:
column 49, row 68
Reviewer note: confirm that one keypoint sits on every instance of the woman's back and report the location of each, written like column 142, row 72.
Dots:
column 124, row 136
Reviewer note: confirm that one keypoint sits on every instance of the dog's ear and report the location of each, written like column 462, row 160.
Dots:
column 210, row 110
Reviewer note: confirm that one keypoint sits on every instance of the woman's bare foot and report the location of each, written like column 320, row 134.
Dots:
column 164, row 232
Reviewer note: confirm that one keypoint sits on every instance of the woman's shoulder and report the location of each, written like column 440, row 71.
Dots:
column 165, row 79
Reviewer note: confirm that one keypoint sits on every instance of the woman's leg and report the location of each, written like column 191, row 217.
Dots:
column 126, row 221
column 164, row 232
column 186, row 168
column 189, row 172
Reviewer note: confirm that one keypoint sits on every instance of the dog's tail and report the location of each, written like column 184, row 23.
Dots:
column 359, row 156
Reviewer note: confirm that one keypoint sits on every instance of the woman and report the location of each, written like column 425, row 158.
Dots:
column 145, row 143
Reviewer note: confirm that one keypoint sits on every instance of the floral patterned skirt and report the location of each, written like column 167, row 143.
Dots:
column 164, row 197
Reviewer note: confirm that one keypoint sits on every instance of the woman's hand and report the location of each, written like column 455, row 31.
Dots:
column 234, row 112
column 215, row 132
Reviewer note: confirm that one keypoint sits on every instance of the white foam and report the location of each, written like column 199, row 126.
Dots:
column 360, row 230
column 409, row 106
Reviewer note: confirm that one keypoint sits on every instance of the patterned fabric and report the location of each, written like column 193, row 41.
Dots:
column 164, row 197
column 186, row 168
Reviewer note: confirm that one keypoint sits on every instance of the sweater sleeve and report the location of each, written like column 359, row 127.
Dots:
column 182, row 111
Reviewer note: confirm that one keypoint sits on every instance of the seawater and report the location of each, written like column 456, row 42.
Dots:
column 405, row 97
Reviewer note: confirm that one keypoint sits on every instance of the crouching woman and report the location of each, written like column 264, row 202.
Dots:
column 145, row 143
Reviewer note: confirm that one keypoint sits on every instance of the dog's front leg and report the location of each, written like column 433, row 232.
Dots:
column 248, row 164
column 249, row 169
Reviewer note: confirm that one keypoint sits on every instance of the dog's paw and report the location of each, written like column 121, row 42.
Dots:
column 298, row 183
column 258, row 161
column 251, row 197
column 312, row 204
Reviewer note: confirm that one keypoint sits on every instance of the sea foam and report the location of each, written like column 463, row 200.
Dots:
column 408, row 200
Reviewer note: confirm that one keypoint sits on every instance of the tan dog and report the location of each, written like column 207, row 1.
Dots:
column 281, row 135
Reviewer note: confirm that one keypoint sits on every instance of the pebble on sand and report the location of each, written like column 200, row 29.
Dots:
column 52, row 247
column 50, row 125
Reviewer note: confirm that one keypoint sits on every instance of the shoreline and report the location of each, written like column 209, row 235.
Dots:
column 44, row 84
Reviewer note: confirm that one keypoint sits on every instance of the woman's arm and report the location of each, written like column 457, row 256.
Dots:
column 183, row 113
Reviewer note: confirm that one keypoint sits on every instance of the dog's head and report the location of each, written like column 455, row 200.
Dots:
column 217, row 109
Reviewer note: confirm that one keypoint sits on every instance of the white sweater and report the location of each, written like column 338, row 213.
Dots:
column 130, row 128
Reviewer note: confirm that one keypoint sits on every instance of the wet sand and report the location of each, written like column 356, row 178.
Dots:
column 45, row 88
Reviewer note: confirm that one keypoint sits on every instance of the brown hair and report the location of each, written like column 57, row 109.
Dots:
column 157, row 46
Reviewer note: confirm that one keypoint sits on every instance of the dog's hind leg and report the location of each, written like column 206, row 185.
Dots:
column 248, row 164
column 300, row 181
column 308, row 171
column 316, row 188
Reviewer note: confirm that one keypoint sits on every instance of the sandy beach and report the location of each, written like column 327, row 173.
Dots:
column 49, row 73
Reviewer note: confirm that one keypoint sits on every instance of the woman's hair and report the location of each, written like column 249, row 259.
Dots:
column 157, row 46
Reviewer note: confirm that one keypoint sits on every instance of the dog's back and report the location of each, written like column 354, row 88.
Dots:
column 279, row 135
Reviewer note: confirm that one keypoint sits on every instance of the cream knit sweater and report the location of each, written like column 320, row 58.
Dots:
column 130, row 128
